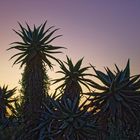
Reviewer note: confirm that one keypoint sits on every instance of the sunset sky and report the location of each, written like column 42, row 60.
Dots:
column 104, row 32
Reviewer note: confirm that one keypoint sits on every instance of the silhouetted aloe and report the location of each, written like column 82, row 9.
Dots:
column 6, row 108
column 35, row 51
column 118, row 97
column 66, row 121
column 5, row 101
column 74, row 77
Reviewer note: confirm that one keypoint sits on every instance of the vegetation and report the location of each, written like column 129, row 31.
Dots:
column 110, row 110
column 34, row 53
column 74, row 77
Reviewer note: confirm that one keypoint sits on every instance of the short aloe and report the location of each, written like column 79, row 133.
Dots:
column 66, row 121
column 6, row 100
column 6, row 107
column 118, row 97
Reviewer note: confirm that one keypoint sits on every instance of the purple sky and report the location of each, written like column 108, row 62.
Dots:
column 104, row 32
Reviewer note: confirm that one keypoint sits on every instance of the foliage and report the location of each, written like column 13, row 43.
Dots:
column 111, row 112
column 35, row 53
column 5, row 101
column 66, row 121
column 7, row 122
column 118, row 97
column 35, row 43
column 74, row 77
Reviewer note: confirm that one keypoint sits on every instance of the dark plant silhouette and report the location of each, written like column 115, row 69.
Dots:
column 66, row 120
column 5, row 101
column 34, row 51
column 74, row 77
column 6, row 109
column 117, row 99
column 110, row 110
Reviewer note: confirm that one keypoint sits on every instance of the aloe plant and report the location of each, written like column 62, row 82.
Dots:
column 35, row 52
column 6, row 109
column 74, row 78
column 66, row 121
column 5, row 101
column 117, row 98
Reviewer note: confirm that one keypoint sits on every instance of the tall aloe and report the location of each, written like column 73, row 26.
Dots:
column 35, row 52
column 74, row 77
column 117, row 98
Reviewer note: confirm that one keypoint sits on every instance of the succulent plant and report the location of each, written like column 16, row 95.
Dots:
column 117, row 98
column 66, row 121
column 6, row 98
column 35, row 52
column 75, row 76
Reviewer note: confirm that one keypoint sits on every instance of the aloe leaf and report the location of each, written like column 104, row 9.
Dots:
column 52, row 39
column 47, row 37
column 102, row 77
column 78, row 64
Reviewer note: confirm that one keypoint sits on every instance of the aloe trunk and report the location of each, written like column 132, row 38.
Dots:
column 34, row 88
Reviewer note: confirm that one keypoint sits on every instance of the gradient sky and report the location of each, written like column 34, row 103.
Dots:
column 104, row 32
